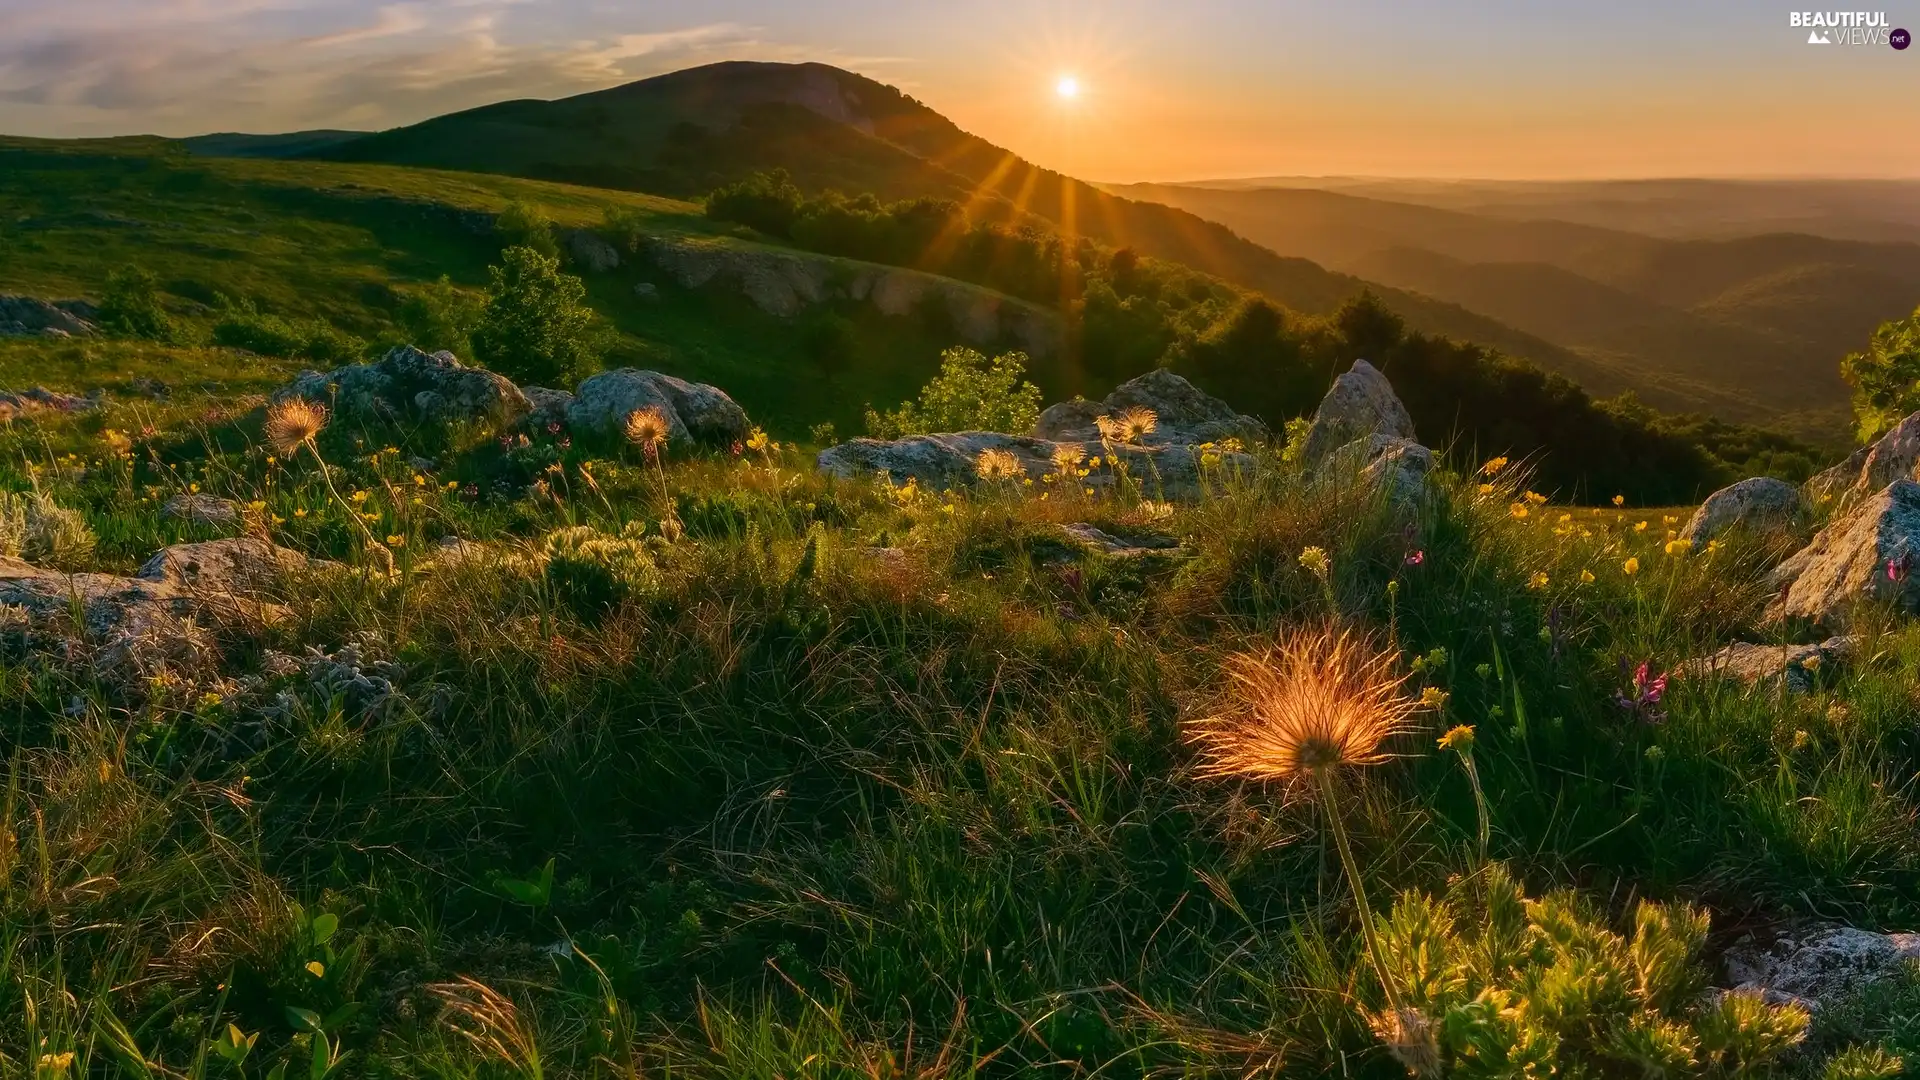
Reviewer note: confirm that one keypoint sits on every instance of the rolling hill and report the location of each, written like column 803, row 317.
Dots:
column 1754, row 326
column 689, row 131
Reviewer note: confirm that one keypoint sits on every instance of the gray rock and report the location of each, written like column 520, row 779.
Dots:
column 37, row 398
column 1828, row 484
column 1765, row 664
column 1359, row 404
column 647, row 290
column 694, row 411
column 454, row 551
column 202, row 509
column 1185, row 415
column 1397, row 467
column 27, row 316
column 1108, row 544
column 1758, row 503
column 591, row 253
column 408, row 382
column 1896, row 456
column 946, row 461
column 549, row 406
column 1849, row 560
column 1816, row 966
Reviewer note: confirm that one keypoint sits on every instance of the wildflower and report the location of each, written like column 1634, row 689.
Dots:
column 419, row 481
column 1630, row 567
column 1417, row 557
column 396, row 541
column 757, row 440
column 1643, row 692
column 1801, row 739
column 1434, row 698
column 648, row 428
column 1067, row 458
column 256, row 506
column 117, row 442
column 1713, row 546
column 1320, row 700
column 996, row 466
column 1315, row 559
column 1679, row 547
column 1493, row 466
column 1536, row 498
column 293, row 423
column 1641, row 527
column 1458, row 737
column 1669, row 519
column 1619, row 500
column 359, row 496
column 1537, row 581
column 1586, row 577
column 1483, row 670
column 1897, row 567
column 300, row 512
column 1410, row 1037
column 1486, row 489
column 1519, row 511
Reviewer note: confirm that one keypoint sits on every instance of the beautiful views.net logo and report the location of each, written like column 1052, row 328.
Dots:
column 1846, row 27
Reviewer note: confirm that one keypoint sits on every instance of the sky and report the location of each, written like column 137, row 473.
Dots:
column 1520, row 89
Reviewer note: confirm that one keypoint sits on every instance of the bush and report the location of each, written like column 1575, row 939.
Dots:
column 35, row 528
column 534, row 328
column 1886, row 377
column 971, row 393
column 131, row 306
column 244, row 327
column 441, row 316
column 765, row 201
column 525, row 225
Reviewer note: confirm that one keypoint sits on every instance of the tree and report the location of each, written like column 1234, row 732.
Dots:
column 534, row 329
column 767, row 201
column 1886, row 377
column 971, row 393
column 131, row 305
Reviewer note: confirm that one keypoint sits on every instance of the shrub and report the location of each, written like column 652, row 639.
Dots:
column 971, row 393
column 525, row 225
column 35, row 528
column 1885, row 377
column 766, row 201
column 244, row 327
column 534, row 328
column 592, row 572
column 131, row 306
column 441, row 316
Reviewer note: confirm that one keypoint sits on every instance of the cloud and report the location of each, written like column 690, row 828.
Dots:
column 392, row 21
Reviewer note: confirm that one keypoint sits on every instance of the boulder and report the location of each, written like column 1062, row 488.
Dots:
column 1758, row 503
column 589, row 252
column 35, row 399
column 1108, row 544
column 240, row 568
column 647, row 290
column 694, row 411
column 1766, row 664
column 1361, row 403
column 549, row 406
column 1397, row 467
column 27, row 316
column 1184, row 414
column 1817, row 966
column 1867, row 552
column 1894, row 457
column 942, row 462
column 408, row 382
column 202, row 509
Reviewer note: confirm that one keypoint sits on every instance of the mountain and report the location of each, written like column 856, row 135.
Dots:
column 233, row 144
column 687, row 132
column 1751, row 327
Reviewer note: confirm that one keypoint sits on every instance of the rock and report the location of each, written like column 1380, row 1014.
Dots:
column 1397, row 467
column 1757, row 503
column 1765, row 664
column 1815, row 967
column 941, row 462
column 40, row 398
column 1866, row 552
column 694, row 411
column 1360, row 403
column 549, row 406
column 1894, row 457
column 647, row 290
column 454, row 551
column 591, row 253
column 149, row 387
column 202, row 509
column 1184, row 414
column 1108, row 544
column 408, row 382
column 26, row 316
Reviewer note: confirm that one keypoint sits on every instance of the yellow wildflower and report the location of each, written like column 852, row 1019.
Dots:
column 1630, row 567
column 1493, row 466
column 1679, row 547
column 1586, row 577
column 1458, row 738
column 1538, row 580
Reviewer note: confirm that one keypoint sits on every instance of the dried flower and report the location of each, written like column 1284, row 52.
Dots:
column 1410, row 1037
column 1315, row 560
column 648, row 428
column 293, row 423
column 997, row 466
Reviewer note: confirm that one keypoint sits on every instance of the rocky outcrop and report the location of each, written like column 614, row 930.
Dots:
column 202, row 509
column 1184, row 415
column 26, row 316
column 1162, row 463
column 1896, row 456
column 1397, row 467
column 1764, row 665
column 786, row 283
column 1819, row 965
column 150, row 620
column 548, row 406
column 1758, row 503
column 1360, row 404
column 694, row 411
column 589, row 252
column 38, row 398
column 1868, row 552
column 408, row 382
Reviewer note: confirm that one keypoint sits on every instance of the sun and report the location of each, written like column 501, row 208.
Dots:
column 1067, row 87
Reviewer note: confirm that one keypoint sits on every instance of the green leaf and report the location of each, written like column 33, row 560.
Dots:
column 324, row 927
column 304, row 1019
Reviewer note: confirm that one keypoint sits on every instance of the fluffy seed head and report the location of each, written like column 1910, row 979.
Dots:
column 1130, row 424
column 648, row 427
column 292, row 422
column 995, row 466
column 1410, row 1038
column 1320, row 699
column 1067, row 458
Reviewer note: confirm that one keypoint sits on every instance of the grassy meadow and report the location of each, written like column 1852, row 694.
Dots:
column 680, row 775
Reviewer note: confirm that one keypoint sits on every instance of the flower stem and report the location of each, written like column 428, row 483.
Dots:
column 326, row 477
column 1327, row 795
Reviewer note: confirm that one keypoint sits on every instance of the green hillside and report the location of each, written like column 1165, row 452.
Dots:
column 1750, row 327
column 690, row 131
